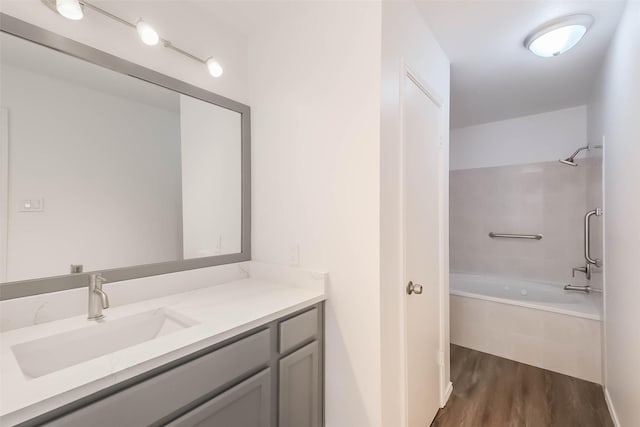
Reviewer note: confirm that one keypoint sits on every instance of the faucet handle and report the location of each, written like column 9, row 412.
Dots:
column 97, row 279
column 586, row 270
column 580, row 269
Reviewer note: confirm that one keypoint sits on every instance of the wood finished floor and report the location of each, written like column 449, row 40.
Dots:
column 489, row 391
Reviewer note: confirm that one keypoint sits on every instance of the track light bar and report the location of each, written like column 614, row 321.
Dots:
column 73, row 9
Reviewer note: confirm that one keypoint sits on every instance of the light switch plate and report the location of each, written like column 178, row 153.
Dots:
column 32, row 205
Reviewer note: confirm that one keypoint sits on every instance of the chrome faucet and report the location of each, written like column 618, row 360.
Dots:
column 98, row 299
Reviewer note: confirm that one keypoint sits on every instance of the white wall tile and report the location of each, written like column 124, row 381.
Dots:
column 547, row 198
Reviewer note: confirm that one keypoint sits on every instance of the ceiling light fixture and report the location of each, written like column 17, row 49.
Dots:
column 73, row 9
column 70, row 9
column 558, row 36
column 147, row 34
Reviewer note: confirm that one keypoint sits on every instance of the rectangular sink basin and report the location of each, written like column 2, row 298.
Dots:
column 55, row 352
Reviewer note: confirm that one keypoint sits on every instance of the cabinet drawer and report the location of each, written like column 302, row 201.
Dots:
column 160, row 396
column 298, row 329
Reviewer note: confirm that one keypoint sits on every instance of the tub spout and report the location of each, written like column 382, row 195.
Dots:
column 585, row 289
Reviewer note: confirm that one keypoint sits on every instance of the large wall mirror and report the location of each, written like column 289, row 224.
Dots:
column 107, row 166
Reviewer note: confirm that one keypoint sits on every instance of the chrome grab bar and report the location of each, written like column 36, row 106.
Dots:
column 587, row 237
column 516, row 236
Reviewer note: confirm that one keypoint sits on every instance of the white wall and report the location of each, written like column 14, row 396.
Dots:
column 211, row 178
column 315, row 99
column 614, row 114
column 405, row 37
column 530, row 139
column 72, row 146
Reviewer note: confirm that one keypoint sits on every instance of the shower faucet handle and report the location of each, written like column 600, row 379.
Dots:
column 580, row 269
column 586, row 270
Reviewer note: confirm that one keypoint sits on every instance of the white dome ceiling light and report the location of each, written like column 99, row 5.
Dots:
column 558, row 36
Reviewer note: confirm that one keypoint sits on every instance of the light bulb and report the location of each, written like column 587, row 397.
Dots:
column 70, row 9
column 214, row 67
column 147, row 34
column 557, row 41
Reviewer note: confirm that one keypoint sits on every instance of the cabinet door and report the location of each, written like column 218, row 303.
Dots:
column 299, row 393
column 246, row 405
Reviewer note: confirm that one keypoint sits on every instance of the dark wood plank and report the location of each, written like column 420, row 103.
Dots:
column 490, row 391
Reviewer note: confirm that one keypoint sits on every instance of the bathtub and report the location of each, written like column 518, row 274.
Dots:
column 525, row 293
column 531, row 322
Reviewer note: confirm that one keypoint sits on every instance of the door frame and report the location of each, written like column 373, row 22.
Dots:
column 446, row 387
column 4, row 193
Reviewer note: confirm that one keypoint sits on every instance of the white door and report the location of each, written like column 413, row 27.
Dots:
column 422, row 118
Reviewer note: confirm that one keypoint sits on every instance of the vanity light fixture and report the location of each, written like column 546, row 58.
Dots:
column 147, row 34
column 558, row 36
column 73, row 9
column 214, row 67
column 70, row 9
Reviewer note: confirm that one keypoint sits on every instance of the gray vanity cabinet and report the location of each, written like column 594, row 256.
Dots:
column 299, row 400
column 158, row 399
column 270, row 376
column 246, row 405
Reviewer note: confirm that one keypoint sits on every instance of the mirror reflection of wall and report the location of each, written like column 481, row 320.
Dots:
column 109, row 171
column 211, row 183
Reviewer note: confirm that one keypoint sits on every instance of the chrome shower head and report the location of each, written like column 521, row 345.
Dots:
column 568, row 161
column 571, row 159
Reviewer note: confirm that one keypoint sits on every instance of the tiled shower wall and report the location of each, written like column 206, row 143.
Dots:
column 547, row 198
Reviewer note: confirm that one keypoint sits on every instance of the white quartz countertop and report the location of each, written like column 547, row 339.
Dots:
column 221, row 311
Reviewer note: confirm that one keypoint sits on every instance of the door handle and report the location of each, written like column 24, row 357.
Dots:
column 414, row 288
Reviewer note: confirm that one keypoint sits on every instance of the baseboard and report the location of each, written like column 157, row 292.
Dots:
column 612, row 410
column 447, row 395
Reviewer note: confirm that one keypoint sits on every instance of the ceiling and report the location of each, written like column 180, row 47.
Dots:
column 494, row 77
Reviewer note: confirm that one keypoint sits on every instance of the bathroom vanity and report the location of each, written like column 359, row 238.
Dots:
column 243, row 353
column 269, row 373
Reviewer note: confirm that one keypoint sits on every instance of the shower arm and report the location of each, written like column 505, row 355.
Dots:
column 575, row 153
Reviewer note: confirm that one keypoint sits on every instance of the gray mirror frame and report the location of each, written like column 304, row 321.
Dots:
column 24, row 30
